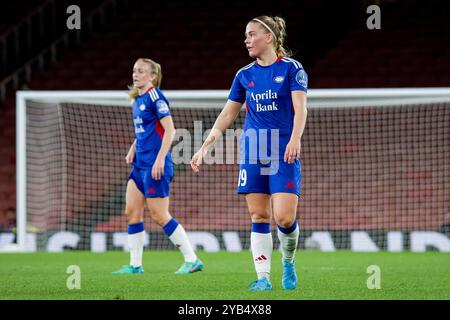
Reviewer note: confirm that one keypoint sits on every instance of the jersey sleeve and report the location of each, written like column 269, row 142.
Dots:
column 237, row 91
column 162, row 108
column 298, row 78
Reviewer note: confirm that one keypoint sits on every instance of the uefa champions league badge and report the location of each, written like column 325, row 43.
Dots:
column 162, row 106
column 302, row 78
column 142, row 107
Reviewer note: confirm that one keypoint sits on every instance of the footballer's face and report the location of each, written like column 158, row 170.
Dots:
column 257, row 40
column 142, row 75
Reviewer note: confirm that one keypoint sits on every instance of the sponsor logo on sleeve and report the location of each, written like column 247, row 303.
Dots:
column 162, row 106
column 301, row 78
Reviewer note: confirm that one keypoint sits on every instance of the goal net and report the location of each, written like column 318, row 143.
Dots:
column 375, row 172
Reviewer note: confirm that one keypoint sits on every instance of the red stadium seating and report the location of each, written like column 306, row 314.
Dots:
column 410, row 50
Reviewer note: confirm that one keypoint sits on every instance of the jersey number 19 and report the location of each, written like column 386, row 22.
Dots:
column 242, row 178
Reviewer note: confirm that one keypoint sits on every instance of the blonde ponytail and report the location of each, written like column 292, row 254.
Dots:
column 133, row 92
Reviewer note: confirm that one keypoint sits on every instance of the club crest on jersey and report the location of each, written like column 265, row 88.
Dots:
column 142, row 107
column 278, row 79
column 162, row 106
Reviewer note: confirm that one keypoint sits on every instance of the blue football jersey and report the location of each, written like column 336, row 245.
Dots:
column 266, row 91
column 148, row 109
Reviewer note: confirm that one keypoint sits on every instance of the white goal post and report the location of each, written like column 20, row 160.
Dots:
column 317, row 98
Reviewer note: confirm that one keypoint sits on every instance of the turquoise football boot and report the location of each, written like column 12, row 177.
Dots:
column 190, row 267
column 289, row 280
column 128, row 269
column 260, row 285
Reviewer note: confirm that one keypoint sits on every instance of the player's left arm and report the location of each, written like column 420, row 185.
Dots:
column 293, row 147
column 169, row 135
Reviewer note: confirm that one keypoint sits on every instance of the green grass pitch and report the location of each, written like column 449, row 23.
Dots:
column 337, row 275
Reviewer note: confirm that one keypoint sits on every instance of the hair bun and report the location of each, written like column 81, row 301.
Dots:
column 280, row 22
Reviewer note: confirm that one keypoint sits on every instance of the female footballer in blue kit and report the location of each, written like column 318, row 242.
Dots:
column 149, row 180
column 274, row 89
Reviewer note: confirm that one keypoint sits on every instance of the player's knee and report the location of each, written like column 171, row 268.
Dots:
column 285, row 221
column 260, row 215
column 133, row 215
column 159, row 218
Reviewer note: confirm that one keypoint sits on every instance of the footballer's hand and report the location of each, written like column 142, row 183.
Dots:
column 130, row 156
column 158, row 169
column 197, row 159
column 292, row 152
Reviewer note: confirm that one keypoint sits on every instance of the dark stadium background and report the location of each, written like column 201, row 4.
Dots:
column 200, row 46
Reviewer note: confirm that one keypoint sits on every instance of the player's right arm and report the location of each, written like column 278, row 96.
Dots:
column 130, row 155
column 223, row 121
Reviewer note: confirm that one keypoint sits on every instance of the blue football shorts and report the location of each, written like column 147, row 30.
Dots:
column 150, row 187
column 273, row 177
